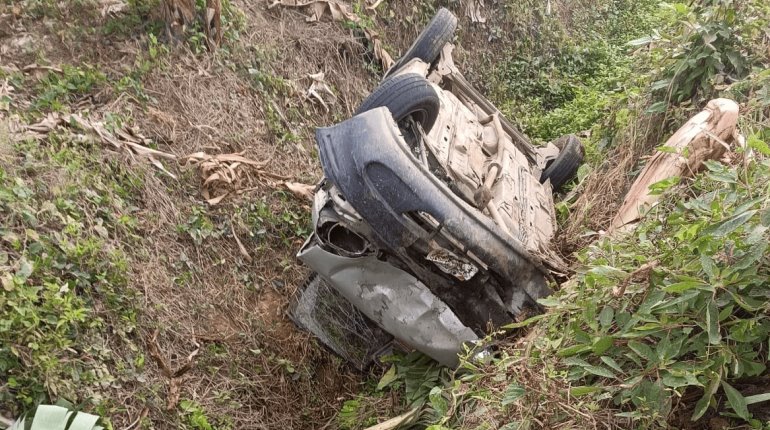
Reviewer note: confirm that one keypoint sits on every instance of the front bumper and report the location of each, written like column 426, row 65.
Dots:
column 395, row 300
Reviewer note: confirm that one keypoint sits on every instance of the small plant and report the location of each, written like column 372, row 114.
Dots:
column 56, row 89
column 704, row 51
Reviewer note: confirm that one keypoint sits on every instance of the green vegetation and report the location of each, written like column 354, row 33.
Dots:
column 57, row 89
column 563, row 77
column 64, row 269
column 668, row 324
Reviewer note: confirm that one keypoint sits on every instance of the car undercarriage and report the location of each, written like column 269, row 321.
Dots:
column 434, row 220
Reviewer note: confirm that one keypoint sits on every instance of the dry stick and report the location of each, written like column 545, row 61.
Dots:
column 395, row 422
column 175, row 377
column 643, row 269
column 241, row 248
column 142, row 415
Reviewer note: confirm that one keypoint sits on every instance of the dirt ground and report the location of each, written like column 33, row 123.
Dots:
column 253, row 368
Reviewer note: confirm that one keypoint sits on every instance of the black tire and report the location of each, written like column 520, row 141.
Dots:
column 405, row 95
column 427, row 47
column 565, row 166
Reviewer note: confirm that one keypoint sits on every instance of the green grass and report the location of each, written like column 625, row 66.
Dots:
column 67, row 218
column 57, row 90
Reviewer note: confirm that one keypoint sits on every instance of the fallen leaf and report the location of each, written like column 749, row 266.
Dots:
column 301, row 190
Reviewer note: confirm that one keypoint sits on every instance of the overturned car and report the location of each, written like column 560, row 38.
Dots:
column 433, row 223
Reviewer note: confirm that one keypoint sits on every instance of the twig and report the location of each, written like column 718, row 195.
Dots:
column 138, row 419
column 395, row 422
column 152, row 345
column 241, row 248
column 39, row 67
column 642, row 270
column 175, row 377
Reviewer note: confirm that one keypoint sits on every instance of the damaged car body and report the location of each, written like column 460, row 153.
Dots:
column 434, row 220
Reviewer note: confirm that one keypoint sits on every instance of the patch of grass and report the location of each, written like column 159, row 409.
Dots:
column 274, row 89
column 275, row 220
column 65, row 216
column 195, row 416
column 57, row 90
column 144, row 62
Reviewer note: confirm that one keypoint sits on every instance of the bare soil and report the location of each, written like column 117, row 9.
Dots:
column 253, row 368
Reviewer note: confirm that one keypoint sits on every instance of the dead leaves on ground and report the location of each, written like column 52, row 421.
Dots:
column 340, row 12
column 318, row 89
column 224, row 174
column 221, row 175
column 125, row 138
column 299, row 189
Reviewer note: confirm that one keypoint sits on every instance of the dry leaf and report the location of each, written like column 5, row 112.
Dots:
column 473, row 10
column 301, row 190
column 379, row 51
column 112, row 7
column 318, row 88
column 340, row 12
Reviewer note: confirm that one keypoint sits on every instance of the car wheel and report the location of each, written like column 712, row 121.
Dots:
column 408, row 95
column 565, row 166
column 427, row 47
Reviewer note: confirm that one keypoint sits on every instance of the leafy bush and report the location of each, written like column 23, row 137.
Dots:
column 705, row 47
column 560, row 57
column 696, row 317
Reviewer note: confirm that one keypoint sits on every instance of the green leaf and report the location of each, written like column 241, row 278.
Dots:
column 680, row 287
column 53, row 417
column 729, row 225
column 600, row 371
column 674, row 381
column 388, row 378
column 512, row 393
column 705, row 401
column 606, row 316
column 549, row 302
column 609, row 361
column 438, row 402
column 764, row 217
column 659, row 85
column 712, row 323
column 664, row 185
column 602, row 344
column 643, row 350
column 25, row 270
column 757, row 398
column 583, row 390
column 524, row 323
column 657, row 107
column 48, row 417
column 758, row 144
column 573, row 350
column 736, row 401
